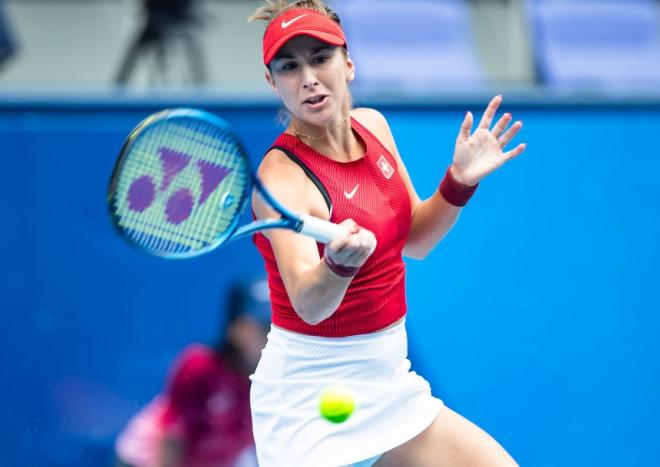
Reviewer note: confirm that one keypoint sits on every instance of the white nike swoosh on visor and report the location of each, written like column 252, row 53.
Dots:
column 352, row 193
column 286, row 24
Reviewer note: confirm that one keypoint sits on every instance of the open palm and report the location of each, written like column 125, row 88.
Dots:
column 480, row 153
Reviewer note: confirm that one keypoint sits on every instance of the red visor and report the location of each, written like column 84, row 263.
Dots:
column 299, row 22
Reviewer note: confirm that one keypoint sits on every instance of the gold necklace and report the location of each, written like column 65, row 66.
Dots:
column 315, row 138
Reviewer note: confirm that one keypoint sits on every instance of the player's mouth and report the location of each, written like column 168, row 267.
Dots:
column 316, row 101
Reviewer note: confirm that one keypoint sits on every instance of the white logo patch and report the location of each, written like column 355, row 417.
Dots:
column 286, row 24
column 385, row 167
column 352, row 193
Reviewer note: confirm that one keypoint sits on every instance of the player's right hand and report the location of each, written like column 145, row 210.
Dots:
column 352, row 249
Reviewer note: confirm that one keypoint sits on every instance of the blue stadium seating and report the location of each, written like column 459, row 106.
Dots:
column 415, row 47
column 611, row 44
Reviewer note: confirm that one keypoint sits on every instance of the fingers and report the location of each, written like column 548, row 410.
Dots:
column 350, row 225
column 501, row 125
column 504, row 137
column 365, row 244
column 498, row 130
column 358, row 249
column 489, row 114
column 353, row 249
column 518, row 150
column 510, row 133
column 338, row 243
column 466, row 128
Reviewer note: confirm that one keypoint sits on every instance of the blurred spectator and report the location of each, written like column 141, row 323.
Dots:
column 166, row 21
column 202, row 418
column 7, row 45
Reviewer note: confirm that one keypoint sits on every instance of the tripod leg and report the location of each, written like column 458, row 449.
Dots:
column 195, row 60
column 161, row 61
column 131, row 58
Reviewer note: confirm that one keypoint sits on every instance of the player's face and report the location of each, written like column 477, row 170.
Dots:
column 312, row 79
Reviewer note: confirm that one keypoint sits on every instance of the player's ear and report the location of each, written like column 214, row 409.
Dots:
column 271, row 82
column 350, row 68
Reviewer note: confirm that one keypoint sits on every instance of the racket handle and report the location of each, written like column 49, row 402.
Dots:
column 320, row 230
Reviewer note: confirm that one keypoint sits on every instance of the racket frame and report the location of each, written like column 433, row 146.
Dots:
column 149, row 123
column 289, row 219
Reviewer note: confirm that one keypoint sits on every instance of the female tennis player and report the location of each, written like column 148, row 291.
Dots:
column 339, row 309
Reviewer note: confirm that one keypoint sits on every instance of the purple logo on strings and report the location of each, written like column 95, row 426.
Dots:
column 180, row 204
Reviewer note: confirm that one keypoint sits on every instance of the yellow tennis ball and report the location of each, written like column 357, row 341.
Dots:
column 337, row 403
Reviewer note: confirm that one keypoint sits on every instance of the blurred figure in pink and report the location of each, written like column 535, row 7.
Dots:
column 202, row 418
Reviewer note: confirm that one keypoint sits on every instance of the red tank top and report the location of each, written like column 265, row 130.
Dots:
column 371, row 192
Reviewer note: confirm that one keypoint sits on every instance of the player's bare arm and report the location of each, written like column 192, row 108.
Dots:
column 315, row 290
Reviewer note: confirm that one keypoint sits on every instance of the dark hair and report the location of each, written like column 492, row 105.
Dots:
column 244, row 299
column 249, row 299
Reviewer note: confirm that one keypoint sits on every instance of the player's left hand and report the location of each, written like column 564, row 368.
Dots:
column 480, row 153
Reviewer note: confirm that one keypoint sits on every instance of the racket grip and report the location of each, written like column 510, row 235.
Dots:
column 320, row 230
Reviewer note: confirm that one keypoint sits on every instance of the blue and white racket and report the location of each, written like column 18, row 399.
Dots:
column 181, row 184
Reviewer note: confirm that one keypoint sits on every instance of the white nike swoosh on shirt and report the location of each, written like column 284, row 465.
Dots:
column 286, row 24
column 352, row 193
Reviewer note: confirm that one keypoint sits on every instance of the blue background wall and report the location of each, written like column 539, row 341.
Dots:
column 537, row 317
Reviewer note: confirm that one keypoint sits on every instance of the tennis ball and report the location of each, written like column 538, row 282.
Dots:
column 337, row 403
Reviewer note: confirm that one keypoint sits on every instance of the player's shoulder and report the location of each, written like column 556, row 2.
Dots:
column 276, row 157
column 370, row 118
column 376, row 123
column 277, row 166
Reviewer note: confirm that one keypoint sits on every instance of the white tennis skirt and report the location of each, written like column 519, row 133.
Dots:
column 393, row 404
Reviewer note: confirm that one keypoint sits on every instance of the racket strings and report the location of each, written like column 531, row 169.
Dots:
column 181, row 186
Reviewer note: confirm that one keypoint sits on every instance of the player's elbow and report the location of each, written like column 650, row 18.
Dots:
column 312, row 320
column 311, row 317
column 311, row 314
column 416, row 251
column 314, row 303
column 419, row 256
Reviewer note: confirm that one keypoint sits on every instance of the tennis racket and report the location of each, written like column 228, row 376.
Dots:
column 182, row 182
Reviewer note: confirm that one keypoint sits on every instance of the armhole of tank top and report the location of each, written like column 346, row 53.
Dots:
column 311, row 175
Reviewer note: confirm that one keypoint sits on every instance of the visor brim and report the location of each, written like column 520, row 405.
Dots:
column 323, row 36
